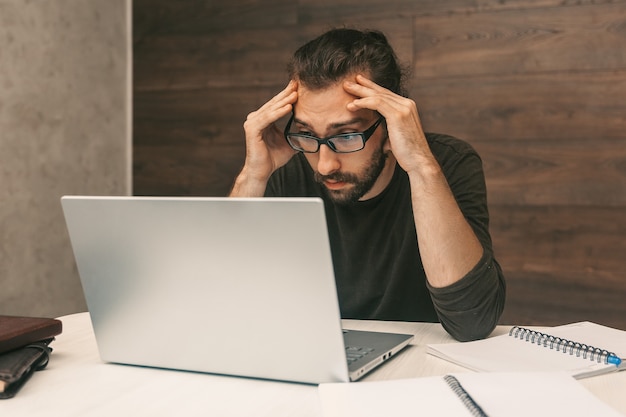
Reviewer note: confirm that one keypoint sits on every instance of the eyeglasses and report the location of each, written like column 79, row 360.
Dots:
column 343, row 143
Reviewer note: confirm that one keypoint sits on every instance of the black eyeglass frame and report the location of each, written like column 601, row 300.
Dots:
column 365, row 135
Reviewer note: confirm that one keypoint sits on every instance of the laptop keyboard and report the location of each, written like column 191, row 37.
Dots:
column 354, row 353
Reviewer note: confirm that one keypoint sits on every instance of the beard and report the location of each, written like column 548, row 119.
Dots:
column 361, row 182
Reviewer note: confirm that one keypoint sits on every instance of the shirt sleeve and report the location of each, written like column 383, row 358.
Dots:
column 470, row 308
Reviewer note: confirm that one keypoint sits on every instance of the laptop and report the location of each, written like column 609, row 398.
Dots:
column 233, row 286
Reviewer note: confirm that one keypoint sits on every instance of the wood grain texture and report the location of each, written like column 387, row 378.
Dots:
column 350, row 10
column 562, row 263
column 536, row 298
column 546, row 172
column 521, row 41
column 536, row 86
column 553, row 239
column 558, row 106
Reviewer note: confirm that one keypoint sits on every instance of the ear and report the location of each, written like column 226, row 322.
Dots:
column 386, row 142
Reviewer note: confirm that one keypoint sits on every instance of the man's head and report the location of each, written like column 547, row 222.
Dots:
column 340, row 53
column 320, row 67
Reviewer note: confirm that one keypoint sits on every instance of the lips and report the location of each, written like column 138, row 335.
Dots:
column 334, row 185
column 336, row 181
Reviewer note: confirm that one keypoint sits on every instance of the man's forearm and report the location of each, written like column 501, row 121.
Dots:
column 448, row 245
column 248, row 186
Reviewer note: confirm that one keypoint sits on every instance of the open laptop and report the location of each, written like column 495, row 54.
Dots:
column 235, row 286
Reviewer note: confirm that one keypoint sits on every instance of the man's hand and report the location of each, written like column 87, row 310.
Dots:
column 406, row 137
column 266, row 148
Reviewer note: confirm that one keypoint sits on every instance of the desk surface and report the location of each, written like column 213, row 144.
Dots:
column 78, row 383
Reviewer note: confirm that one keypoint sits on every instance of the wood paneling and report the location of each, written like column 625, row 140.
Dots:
column 353, row 11
column 538, row 298
column 546, row 172
column 536, row 86
column 567, row 239
column 521, row 41
column 558, row 106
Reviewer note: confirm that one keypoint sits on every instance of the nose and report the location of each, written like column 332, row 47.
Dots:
column 328, row 161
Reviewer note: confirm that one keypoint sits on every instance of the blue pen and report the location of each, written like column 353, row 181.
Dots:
column 613, row 359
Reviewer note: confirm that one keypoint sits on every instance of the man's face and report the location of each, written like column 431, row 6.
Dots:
column 347, row 177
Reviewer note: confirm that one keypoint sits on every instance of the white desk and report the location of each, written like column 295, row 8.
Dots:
column 78, row 383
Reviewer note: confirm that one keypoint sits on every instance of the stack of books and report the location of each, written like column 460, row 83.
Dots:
column 24, row 349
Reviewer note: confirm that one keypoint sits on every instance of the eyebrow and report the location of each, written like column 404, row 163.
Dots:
column 332, row 126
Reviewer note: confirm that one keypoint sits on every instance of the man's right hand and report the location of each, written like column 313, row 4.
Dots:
column 266, row 147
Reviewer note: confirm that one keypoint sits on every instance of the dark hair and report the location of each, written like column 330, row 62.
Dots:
column 342, row 52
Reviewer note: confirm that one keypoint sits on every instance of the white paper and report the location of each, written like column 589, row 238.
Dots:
column 498, row 394
column 509, row 354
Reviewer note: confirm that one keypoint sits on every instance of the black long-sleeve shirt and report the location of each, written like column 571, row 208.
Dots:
column 378, row 268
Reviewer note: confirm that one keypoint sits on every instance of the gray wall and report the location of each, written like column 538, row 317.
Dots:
column 64, row 129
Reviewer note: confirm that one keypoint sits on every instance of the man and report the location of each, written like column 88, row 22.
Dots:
column 406, row 211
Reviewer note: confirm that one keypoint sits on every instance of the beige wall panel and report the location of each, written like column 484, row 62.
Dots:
column 63, row 130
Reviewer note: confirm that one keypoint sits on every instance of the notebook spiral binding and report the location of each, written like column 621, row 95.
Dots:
column 561, row 344
column 464, row 396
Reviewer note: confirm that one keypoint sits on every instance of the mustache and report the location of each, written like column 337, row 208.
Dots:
column 336, row 176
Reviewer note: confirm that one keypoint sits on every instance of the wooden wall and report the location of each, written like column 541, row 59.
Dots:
column 537, row 86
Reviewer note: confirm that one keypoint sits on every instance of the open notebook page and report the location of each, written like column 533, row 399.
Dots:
column 498, row 394
column 506, row 353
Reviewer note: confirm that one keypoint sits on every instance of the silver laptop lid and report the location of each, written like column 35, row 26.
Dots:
column 222, row 285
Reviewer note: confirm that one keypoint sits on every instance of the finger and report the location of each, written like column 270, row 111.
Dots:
column 372, row 90
column 262, row 119
column 378, row 96
column 277, row 107
column 280, row 99
column 363, row 80
column 357, row 89
column 385, row 105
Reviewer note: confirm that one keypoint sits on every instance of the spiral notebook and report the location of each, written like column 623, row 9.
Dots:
column 465, row 395
column 581, row 349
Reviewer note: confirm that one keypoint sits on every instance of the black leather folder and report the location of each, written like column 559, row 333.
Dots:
column 17, row 366
column 24, row 349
